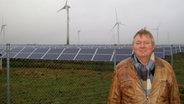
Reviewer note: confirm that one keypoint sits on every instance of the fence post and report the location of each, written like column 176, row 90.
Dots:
column 8, row 72
column 115, row 60
column 171, row 55
column 1, row 61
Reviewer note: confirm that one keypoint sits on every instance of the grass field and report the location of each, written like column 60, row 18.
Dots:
column 178, row 66
column 67, row 86
column 41, row 86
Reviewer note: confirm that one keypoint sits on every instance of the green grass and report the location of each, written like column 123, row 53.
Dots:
column 178, row 66
column 60, row 85
column 42, row 86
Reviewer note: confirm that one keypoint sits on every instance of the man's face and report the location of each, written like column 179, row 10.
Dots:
column 143, row 46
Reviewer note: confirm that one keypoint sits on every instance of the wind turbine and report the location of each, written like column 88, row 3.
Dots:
column 157, row 31
column 3, row 26
column 118, row 23
column 66, row 6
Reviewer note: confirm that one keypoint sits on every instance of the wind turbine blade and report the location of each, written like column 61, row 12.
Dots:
column 2, row 24
column 1, row 28
column 61, row 9
column 66, row 2
column 65, row 6
column 114, row 26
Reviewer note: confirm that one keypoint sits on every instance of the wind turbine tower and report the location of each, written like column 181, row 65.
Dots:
column 118, row 25
column 3, row 27
column 66, row 6
column 78, row 32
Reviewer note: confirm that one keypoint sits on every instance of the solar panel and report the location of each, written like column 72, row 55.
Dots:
column 159, row 54
column 102, row 57
column 16, row 49
column 36, row 56
column 167, row 51
column 22, row 55
column 66, row 57
column 122, row 57
column 27, row 50
column 55, row 50
column 2, row 51
column 160, row 49
column 86, row 57
column 124, row 51
column 12, row 54
column 41, row 50
column 105, row 51
column 81, row 52
column 51, row 56
column 182, row 48
column 71, row 50
column 87, row 51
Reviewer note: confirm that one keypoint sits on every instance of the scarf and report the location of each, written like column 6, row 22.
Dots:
column 145, row 72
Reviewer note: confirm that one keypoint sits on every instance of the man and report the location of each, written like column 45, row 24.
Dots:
column 143, row 78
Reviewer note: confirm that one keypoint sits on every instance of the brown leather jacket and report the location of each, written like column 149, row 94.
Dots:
column 126, row 87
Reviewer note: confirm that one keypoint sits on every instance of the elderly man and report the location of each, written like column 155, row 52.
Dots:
column 143, row 78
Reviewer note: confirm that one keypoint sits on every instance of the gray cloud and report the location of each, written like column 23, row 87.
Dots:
column 36, row 21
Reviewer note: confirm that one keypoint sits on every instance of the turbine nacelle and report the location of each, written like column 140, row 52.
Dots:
column 118, row 23
column 66, row 6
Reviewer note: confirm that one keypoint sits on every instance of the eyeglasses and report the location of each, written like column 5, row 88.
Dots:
column 142, row 43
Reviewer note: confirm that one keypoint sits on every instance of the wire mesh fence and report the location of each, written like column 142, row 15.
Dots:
column 40, row 84
column 42, row 81
column 54, row 81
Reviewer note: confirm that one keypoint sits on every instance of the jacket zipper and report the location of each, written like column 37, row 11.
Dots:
column 140, row 82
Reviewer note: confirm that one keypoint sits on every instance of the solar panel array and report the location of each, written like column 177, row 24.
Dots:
column 81, row 52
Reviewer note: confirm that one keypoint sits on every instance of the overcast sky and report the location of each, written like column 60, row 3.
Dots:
column 37, row 22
